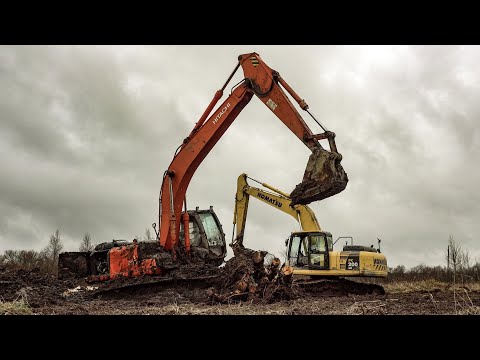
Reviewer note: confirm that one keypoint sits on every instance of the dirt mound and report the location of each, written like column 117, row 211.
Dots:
column 37, row 288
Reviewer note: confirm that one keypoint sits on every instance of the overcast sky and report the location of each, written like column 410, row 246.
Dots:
column 86, row 133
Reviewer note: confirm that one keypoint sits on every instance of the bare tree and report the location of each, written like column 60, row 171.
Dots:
column 454, row 258
column 86, row 244
column 465, row 259
column 148, row 236
column 397, row 272
column 53, row 250
column 10, row 257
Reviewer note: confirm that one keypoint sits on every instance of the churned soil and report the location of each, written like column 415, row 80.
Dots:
column 179, row 294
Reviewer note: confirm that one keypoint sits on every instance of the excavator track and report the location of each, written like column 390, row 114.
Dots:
column 188, row 276
column 153, row 284
column 338, row 287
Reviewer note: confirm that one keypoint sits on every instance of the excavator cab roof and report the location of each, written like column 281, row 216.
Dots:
column 299, row 233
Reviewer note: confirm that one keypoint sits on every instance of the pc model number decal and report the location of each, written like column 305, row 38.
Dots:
column 353, row 263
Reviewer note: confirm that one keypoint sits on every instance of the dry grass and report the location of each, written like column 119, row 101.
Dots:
column 294, row 307
column 298, row 306
column 196, row 309
column 426, row 285
column 368, row 307
column 464, row 304
column 470, row 310
column 414, row 286
column 18, row 306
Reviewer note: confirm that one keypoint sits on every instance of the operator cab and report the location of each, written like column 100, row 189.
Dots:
column 310, row 249
column 207, row 239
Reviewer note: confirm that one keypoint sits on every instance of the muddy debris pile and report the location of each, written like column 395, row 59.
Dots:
column 34, row 286
column 324, row 177
column 249, row 277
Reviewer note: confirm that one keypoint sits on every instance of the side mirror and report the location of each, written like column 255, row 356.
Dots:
column 286, row 241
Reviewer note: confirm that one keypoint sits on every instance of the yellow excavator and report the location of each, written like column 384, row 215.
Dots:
column 310, row 251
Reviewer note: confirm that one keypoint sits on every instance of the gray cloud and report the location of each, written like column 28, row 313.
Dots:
column 87, row 131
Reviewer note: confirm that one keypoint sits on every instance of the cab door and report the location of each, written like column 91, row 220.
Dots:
column 298, row 251
column 318, row 252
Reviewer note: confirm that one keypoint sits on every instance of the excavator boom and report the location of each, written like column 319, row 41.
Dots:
column 276, row 198
column 323, row 177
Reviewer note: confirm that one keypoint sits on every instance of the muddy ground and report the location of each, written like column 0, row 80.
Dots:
column 45, row 294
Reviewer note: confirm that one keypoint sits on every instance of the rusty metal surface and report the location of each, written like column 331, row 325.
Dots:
column 324, row 177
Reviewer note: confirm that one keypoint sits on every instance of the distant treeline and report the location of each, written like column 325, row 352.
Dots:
column 45, row 260
column 459, row 268
column 464, row 274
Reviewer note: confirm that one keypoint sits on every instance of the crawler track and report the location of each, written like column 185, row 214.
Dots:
column 338, row 287
column 152, row 284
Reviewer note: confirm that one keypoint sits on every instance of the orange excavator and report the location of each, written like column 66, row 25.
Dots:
column 191, row 235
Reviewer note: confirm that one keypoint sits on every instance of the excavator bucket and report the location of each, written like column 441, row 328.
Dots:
column 323, row 177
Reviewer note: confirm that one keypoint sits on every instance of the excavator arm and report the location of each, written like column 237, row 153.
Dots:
column 276, row 198
column 324, row 176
